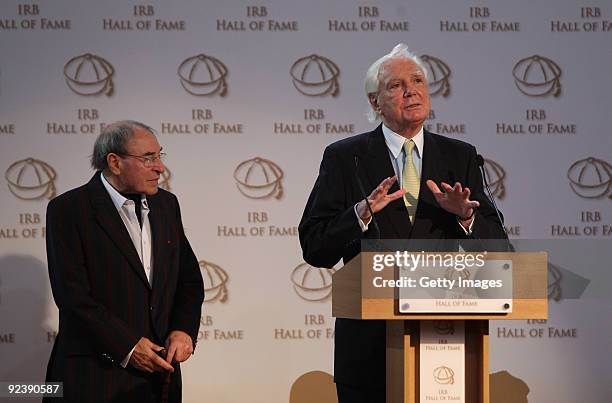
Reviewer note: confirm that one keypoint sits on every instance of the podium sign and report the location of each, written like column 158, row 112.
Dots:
column 437, row 288
column 442, row 361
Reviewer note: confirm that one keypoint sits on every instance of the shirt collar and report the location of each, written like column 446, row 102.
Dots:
column 395, row 142
column 117, row 198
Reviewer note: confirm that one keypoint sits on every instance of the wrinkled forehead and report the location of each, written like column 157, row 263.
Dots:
column 143, row 142
column 399, row 68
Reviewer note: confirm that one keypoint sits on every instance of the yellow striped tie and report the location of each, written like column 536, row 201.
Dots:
column 410, row 181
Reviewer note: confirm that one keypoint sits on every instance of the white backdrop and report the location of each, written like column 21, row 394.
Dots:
column 527, row 82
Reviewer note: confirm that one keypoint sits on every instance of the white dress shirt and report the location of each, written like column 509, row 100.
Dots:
column 395, row 146
column 140, row 237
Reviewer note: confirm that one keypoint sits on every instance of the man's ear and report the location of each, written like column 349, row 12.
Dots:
column 373, row 98
column 114, row 163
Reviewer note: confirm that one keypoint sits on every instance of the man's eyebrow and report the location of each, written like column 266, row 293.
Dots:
column 154, row 153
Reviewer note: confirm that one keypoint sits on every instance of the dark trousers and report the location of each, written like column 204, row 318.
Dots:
column 355, row 394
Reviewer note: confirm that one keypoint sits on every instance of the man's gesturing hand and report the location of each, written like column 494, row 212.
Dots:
column 455, row 200
column 145, row 357
column 179, row 346
column 379, row 198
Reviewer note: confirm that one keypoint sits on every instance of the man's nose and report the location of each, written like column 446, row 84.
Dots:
column 159, row 167
column 409, row 90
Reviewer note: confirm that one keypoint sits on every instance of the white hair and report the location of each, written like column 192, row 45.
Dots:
column 372, row 81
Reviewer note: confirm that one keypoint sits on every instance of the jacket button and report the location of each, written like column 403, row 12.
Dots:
column 151, row 308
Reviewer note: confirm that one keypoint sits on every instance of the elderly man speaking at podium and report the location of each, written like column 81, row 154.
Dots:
column 422, row 186
column 124, row 277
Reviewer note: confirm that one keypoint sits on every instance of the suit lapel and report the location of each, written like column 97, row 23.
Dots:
column 157, row 219
column 377, row 167
column 110, row 221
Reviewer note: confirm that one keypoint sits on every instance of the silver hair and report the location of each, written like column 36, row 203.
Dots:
column 372, row 80
column 113, row 139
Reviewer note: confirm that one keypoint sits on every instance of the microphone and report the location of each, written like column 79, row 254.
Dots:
column 365, row 197
column 480, row 162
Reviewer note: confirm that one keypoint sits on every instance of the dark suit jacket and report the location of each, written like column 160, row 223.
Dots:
column 104, row 299
column 329, row 230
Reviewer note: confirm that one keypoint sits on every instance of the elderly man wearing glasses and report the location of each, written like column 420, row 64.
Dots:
column 124, row 277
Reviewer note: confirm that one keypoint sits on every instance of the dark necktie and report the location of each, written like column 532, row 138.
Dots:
column 138, row 203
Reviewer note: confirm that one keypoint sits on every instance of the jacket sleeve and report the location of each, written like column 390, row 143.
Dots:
column 329, row 224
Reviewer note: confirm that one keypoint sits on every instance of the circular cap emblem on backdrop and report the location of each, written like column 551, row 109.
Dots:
column 89, row 74
column 215, row 282
column 203, row 75
column 164, row 180
column 444, row 375
column 311, row 283
column 259, row 178
column 495, row 176
column 439, row 76
column 315, row 75
column 590, row 178
column 537, row 76
column 31, row 179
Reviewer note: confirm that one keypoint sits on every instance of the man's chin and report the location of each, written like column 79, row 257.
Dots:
column 415, row 116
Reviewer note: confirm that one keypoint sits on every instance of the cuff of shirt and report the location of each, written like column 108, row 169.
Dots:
column 364, row 226
column 126, row 360
column 467, row 231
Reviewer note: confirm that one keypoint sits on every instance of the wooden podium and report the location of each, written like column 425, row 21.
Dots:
column 354, row 296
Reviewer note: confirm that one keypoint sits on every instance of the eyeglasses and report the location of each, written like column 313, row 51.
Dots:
column 147, row 160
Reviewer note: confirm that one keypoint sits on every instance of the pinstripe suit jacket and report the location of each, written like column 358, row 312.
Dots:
column 105, row 301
